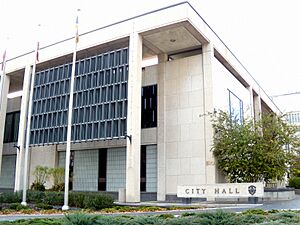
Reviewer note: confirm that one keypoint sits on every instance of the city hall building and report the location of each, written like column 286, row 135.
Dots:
column 144, row 89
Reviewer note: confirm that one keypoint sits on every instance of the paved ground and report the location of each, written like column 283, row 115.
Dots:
column 280, row 205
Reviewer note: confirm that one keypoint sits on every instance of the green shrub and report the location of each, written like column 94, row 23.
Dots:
column 165, row 216
column 255, row 212
column 47, row 197
column 79, row 219
column 98, row 201
column 10, row 197
column 39, row 221
column 17, row 206
column 37, row 186
column 58, row 175
column 288, row 217
column 294, row 182
column 247, row 219
column 41, row 174
column 216, row 216
column 35, row 196
column 53, row 198
column 44, row 206
column 76, row 199
column 147, row 220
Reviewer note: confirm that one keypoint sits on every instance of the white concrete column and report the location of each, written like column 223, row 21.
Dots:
column 250, row 89
column 133, row 147
column 3, row 107
column 257, row 107
column 161, row 130
column 207, row 65
column 22, row 129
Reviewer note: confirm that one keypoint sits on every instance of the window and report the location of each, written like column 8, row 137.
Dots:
column 11, row 127
column 143, row 168
column 149, row 106
column 100, row 83
column 235, row 108
column 102, row 170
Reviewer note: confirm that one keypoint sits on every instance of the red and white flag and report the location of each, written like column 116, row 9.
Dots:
column 77, row 34
column 37, row 52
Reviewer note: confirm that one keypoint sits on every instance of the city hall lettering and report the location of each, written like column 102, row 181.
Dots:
column 221, row 190
column 217, row 191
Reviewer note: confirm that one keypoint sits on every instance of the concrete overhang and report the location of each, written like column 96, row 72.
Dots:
column 167, row 30
column 171, row 39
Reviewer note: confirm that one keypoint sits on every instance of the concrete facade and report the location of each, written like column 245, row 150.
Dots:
column 195, row 74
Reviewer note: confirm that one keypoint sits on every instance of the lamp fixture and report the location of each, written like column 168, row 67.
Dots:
column 17, row 147
column 128, row 136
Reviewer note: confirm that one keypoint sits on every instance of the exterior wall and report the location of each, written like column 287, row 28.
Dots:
column 86, row 170
column 116, row 169
column 41, row 156
column 180, row 104
column 223, row 81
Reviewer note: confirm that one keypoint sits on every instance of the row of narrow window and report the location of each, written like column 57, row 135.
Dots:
column 112, row 93
column 100, row 62
column 89, row 123
column 88, row 81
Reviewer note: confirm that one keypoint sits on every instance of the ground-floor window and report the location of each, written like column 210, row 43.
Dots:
column 105, row 169
column 8, row 168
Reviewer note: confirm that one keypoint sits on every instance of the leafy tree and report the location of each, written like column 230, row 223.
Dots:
column 253, row 151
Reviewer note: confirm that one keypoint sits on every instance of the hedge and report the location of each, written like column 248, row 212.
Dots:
column 90, row 200
column 294, row 182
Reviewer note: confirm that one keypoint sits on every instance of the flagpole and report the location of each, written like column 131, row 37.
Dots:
column 29, row 114
column 2, row 76
column 69, row 127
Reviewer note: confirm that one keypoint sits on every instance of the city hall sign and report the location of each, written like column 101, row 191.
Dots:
column 225, row 190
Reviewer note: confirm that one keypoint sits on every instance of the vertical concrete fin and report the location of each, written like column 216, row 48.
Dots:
column 133, row 146
column 3, row 107
column 22, row 129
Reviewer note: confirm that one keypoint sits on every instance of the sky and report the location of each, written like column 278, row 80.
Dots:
column 264, row 35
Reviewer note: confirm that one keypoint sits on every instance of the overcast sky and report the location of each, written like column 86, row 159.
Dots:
column 264, row 35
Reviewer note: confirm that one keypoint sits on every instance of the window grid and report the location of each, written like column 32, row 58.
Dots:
column 100, row 100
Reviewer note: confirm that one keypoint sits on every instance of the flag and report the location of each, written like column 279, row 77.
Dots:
column 77, row 35
column 37, row 52
column 3, row 60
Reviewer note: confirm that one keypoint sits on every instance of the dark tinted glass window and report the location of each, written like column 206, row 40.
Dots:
column 149, row 106
column 11, row 127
